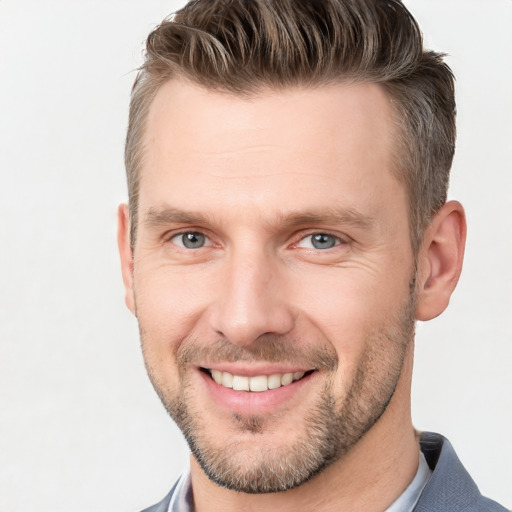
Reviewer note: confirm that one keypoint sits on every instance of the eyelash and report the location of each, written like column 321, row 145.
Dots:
column 190, row 232
column 338, row 240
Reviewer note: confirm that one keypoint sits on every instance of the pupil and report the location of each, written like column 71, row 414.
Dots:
column 193, row 240
column 323, row 241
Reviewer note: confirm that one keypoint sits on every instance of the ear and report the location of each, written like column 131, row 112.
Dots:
column 126, row 254
column 440, row 260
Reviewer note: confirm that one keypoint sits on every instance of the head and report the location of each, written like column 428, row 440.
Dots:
column 287, row 167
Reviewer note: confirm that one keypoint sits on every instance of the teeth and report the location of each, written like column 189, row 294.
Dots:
column 257, row 384
column 240, row 383
column 217, row 376
column 227, row 380
column 274, row 381
column 287, row 378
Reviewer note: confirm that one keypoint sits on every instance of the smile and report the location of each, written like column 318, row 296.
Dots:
column 257, row 383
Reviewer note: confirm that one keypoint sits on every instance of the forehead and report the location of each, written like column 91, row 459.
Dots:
column 333, row 142
column 336, row 113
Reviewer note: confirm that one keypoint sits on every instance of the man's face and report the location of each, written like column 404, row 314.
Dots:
column 272, row 275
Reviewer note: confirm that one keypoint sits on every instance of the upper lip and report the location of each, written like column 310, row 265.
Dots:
column 255, row 369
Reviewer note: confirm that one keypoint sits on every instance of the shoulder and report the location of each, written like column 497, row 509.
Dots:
column 450, row 487
column 162, row 506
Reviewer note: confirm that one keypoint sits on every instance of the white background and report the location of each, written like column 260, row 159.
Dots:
column 81, row 429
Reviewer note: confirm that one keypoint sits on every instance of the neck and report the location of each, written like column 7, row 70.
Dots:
column 370, row 477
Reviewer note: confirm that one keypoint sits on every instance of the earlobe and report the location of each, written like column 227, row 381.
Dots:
column 440, row 260
column 126, row 254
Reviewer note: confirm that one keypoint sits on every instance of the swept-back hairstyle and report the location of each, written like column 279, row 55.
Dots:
column 245, row 46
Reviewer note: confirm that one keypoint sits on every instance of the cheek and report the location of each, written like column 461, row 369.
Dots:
column 350, row 307
column 169, row 303
column 348, row 299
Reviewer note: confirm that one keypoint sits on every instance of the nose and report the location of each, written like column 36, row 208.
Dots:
column 252, row 299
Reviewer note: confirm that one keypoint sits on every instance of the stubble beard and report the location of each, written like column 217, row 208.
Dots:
column 329, row 430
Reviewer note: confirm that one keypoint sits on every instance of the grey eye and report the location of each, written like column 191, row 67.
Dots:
column 319, row 241
column 190, row 240
column 323, row 241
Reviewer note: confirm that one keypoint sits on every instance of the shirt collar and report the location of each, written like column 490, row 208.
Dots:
column 182, row 501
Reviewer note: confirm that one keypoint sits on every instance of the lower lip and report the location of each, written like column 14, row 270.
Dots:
column 255, row 403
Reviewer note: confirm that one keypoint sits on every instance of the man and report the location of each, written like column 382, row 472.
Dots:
column 287, row 224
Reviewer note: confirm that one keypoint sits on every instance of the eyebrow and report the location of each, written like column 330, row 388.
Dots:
column 345, row 216
column 160, row 217
column 155, row 217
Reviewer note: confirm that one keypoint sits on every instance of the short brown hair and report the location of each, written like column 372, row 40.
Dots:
column 244, row 46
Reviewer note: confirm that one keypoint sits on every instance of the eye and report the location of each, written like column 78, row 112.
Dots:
column 190, row 240
column 319, row 241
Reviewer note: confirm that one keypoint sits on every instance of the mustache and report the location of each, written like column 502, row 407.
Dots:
column 266, row 349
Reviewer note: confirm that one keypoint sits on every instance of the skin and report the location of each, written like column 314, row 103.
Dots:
column 258, row 177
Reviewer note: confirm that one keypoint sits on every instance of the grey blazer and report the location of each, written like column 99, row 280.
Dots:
column 450, row 488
